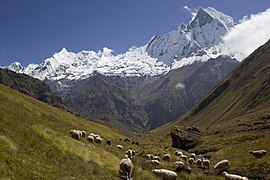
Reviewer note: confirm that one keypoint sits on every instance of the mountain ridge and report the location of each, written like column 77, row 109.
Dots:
column 158, row 56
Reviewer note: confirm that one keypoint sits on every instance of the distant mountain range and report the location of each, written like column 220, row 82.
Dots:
column 146, row 86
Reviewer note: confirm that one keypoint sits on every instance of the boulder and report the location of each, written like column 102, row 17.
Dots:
column 185, row 139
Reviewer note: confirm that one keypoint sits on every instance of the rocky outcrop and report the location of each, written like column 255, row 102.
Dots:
column 185, row 139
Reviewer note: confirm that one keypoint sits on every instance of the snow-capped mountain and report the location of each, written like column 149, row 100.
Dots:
column 193, row 39
column 146, row 86
column 185, row 45
column 71, row 66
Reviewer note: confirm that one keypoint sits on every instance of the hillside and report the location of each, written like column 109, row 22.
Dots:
column 99, row 98
column 35, row 142
column 234, row 117
column 30, row 86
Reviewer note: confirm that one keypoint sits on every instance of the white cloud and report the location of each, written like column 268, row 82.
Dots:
column 252, row 32
column 193, row 12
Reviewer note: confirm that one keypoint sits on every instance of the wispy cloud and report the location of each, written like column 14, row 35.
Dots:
column 249, row 34
column 192, row 11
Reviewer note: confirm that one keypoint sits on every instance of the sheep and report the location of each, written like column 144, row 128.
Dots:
column 165, row 174
column 98, row 140
column 126, row 167
column 258, row 153
column 191, row 161
column 119, row 147
column 184, row 168
column 233, row 176
column 71, row 131
column 222, row 165
column 92, row 134
column 166, row 157
column 149, row 156
column 76, row 134
column 83, row 134
column 179, row 163
column 109, row 142
column 184, row 157
column 154, row 162
column 90, row 139
column 206, row 163
column 130, row 153
column 198, row 162
column 193, row 155
column 156, row 158
column 178, row 153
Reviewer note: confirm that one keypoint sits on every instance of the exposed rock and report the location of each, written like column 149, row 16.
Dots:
column 185, row 139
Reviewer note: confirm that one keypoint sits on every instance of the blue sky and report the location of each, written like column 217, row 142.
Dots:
column 32, row 30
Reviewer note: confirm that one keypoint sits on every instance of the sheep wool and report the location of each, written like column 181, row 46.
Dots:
column 258, row 153
column 233, row 176
column 166, row 157
column 156, row 158
column 206, row 163
column 222, row 164
column 119, row 146
column 90, row 139
column 154, row 162
column 165, row 174
column 126, row 167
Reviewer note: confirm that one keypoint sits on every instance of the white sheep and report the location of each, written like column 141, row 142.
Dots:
column 166, row 157
column 98, row 140
column 179, row 163
column 154, row 162
column 76, row 134
column 184, row 157
column 149, row 156
column 165, row 174
column 233, row 176
column 119, row 147
column 83, row 134
column 193, row 155
column 92, row 134
column 130, row 153
column 206, row 163
column 126, row 167
column 191, row 161
column 198, row 162
column 178, row 153
column 258, row 153
column 90, row 139
column 156, row 158
column 222, row 165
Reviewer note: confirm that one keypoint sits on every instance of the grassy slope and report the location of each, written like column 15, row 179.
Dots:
column 230, row 114
column 35, row 143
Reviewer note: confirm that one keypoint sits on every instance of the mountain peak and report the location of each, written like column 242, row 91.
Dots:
column 207, row 15
column 203, row 17
column 16, row 67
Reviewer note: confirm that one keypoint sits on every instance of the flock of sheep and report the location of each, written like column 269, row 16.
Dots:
column 187, row 160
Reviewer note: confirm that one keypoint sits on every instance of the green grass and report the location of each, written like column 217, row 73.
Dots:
column 35, row 142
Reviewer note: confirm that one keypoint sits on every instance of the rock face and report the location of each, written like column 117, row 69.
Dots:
column 185, row 139
column 171, row 95
column 30, row 86
column 98, row 98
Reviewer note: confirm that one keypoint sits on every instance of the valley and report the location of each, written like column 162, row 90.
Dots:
column 181, row 103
